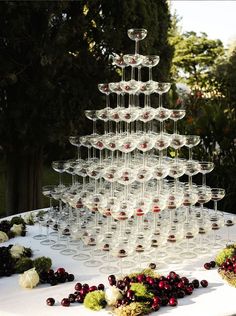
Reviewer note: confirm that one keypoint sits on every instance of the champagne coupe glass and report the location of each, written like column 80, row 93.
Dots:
column 91, row 239
column 176, row 115
column 105, row 243
column 217, row 222
column 205, row 167
column 60, row 166
column 162, row 142
column 204, row 226
column 133, row 60
column 161, row 88
column 40, row 220
column 75, row 141
column 174, row 235
column 229, row 222
column 47, row 190
column 217, row 194
column 72, row 167
column 137, row 35
column 131, row 87
column 104, row 88
column 65, row 230
column 162, row 114
column 85, row 141
column 92, row 115
column 192, row 167
column 121, row 250
column 150, row 61
column 177, row 141
column 190, row 142
column 204, row 196
column 190, row 230
column 118, row 60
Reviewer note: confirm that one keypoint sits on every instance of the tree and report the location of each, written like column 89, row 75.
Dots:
column 194, row 58
column 52, row 56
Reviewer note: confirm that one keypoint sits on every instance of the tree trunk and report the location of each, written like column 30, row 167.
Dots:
column 23, row 181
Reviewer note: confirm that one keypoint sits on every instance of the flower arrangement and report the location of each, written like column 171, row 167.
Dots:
column 17, row 259
column 12, row 228
column 226, row 260
column 136, row 294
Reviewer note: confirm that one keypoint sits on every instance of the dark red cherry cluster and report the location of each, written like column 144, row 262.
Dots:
column 209, row 265
column 78, row 296
column 55, row 277
column 229, row 265
column 164, row 290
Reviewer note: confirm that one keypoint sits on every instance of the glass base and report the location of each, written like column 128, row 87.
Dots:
column 108, row 269
column 109, row 259
column 174, row 260
column 127, row 264
column 68, row 252
column 81, row 257
column 40, row 237
column 202, row 250
column 47, row 242
column 93, row 263
column 188, row 255
column 58, row 246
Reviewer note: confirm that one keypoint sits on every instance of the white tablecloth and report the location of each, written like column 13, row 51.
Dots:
column 218, row 299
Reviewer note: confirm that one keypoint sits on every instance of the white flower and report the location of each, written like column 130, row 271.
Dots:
column 3, row 237
column 112, row 294
column 17, row 229
column 17, row 251
column 29, row 279
column 29, row 218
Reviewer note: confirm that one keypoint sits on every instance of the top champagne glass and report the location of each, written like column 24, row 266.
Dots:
column 137, row 35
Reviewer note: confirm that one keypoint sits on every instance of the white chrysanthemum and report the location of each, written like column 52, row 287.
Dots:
column 17, row 251
column 29, row 218
column 3, row 237
column 112, row 294
column 17, row 229
column 29, row 279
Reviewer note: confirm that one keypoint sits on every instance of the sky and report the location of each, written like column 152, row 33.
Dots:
column 217, row 18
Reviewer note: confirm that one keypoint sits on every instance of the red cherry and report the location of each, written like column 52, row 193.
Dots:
column 61, row 270
column 141, row 278
column 78, row 286
column 155, row 307
column 181, row 285
column 207, row 266
column 173, row 301
column 156, row 300
column 195, row 283
column 204, row 283
column 50, row 301
column 92, row 288
column 101, row 287
column 65, row 302
column 161, row 285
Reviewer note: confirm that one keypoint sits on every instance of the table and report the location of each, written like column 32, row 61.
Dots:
column 218, row 299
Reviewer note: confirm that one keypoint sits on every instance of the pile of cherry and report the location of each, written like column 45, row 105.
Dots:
column 163, row 290
column 55, row 277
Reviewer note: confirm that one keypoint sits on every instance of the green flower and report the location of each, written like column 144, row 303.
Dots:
column 225, row 253
column 140, row 290
column 42, row 264
column 95, row 300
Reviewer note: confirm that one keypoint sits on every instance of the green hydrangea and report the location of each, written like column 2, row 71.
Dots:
column 146, row 272
column 225, row 253
column 17, row 220
column 133, row 309
column 95, row 300
column 23, row 264
column 140, row 290
column 42, row 264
